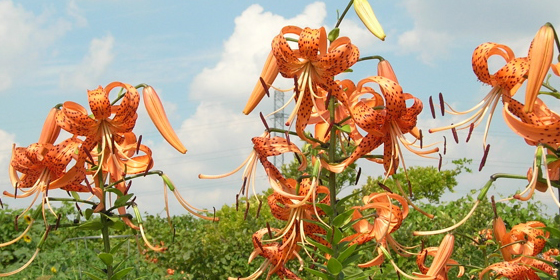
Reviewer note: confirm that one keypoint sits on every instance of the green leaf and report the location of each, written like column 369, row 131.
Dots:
column 91, row 276
column 351, row 259
column 343, row 218
column 334, row 266
column 346, row 253
column 553, row 231
column 345, row 128
column 337, row 236
column 88, row 213
column 121, row 273
column 116, row 247
column 121, row 201
column 115, row 191
column 91, row 225
column 320, row 246
column 326, row 208
column 75, row 195
column 106, row 258
column 317, row 273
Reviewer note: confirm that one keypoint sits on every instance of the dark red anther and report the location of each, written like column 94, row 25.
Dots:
column 264, row 121
column 440, row 161
column 237, row 202
column 78, row 208
column 455, row 136
column 432, row 109
column 113, row 145
column 88, row 185
column 259, row 209
column 296, row 86
column 409, row 188
column 57, row 222
column 1, row 204
column 328, row 130
column 15, row 191
column 131, row 202
column 471, row 128
column 328, row 100
column 297, row 157
column 47, row 189
column 269, row 231
column 128, row 187
column 421, row 138
column 441, row 104
column 265, row 86
column 244, row 184
column 213, row 217
column 138, row 144
column 381, row 185
column 444, row 145
column 88, row 154
column 16, row 223
column 246, row 211
column 287, row 137
column 358, row 175
column 483, row 161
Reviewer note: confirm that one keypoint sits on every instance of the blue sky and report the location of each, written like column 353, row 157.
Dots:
column 204, row 57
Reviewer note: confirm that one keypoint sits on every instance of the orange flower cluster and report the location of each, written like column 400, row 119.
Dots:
column 520, row 247
column 100, row 156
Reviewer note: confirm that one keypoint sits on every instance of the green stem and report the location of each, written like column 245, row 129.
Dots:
column 106, row 243
column 378, row 57
column 332, row 175
column 344, row 13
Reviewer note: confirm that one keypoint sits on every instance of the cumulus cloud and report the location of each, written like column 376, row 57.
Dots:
column 25, row 37
column 460, row 23
column 94, row 63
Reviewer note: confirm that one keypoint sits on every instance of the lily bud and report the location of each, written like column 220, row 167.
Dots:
column 50, row 129
column 159, row 118
column 268, row 75
column 384, row 69
column 540, row 59
column 365, row 13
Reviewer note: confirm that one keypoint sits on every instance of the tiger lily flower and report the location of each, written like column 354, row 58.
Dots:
column 263, row 147
column 42, row 166
column 386, row 119
column 504, row 82
column 365, row 13
column 296, row 212
column 389, row 219
column 313, row 65
column 540, row 59
column 441, row 262
column 274, row 263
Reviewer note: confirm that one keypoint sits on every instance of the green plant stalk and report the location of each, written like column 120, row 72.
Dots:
column 106, row 243
column 332, row 175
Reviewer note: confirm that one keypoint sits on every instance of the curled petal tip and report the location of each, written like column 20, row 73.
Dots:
column 159, row 118
column 50, row 129
column 365, row 13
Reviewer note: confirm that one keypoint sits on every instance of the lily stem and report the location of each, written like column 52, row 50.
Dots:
column 332, row 175
column 344, row 13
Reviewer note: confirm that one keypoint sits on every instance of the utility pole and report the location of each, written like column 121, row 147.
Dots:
column 279, row 121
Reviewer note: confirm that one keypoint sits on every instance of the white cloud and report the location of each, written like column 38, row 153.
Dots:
column 438, row 27
column 92, row 66
column 245, row 52
column 6, row 141
column 25, row 37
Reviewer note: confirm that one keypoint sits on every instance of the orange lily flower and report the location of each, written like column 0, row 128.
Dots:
column 386, row 119
column 263, row 147
column 504, row 82
column 275, row 261
column 442, row 261
column 43, row 165
column 389, row 219
column 523, row 267
column 313, row 65
column 540, row 59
